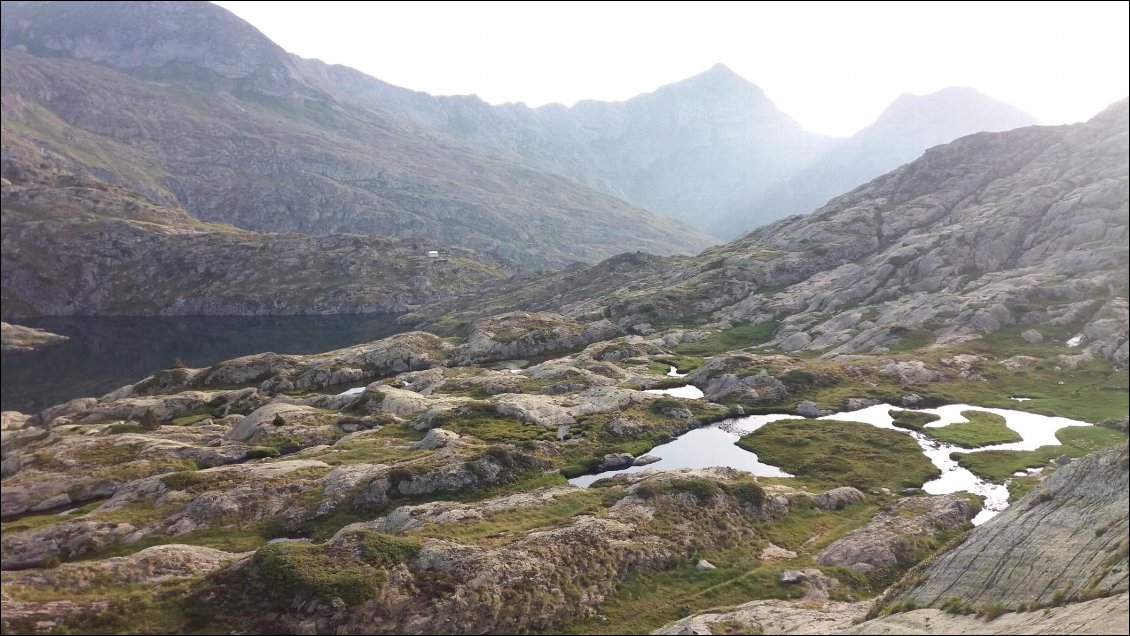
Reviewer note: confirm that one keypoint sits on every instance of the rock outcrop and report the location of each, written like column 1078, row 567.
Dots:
column 519, row 335
column 900, row 535
column 1064, row 541
column 773, row 617
column 1098, row 616
column 19, row 338
column 903, row 261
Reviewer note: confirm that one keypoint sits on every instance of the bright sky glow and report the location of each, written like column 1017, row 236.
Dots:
column 834, row 67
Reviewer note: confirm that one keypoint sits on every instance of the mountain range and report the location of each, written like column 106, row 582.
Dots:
column 196, row 112
column 711, row 150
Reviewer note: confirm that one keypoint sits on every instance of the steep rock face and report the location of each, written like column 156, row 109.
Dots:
column 1064, row 541
column 73, row 244
column 117, row 266
column 901, row 134
column 1099, row 616
column 150, row 104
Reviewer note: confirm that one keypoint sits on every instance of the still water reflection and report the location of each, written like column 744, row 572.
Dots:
column 105, row 353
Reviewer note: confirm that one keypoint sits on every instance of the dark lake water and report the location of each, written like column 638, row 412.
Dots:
column 106, row 353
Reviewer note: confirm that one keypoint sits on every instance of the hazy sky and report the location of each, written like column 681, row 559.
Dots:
column 833, row 67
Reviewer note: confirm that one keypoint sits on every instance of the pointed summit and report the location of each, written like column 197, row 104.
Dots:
column 910, row 125
column 719, row 75
column 949, row 113
column 721, row 69
column 719, row 85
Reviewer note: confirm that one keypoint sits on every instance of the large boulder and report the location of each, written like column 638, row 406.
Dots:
column 522, row 334
column 901, row 536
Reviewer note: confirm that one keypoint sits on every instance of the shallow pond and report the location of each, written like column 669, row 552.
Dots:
column 715, row 446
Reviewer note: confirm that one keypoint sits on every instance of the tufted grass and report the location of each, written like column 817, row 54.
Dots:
column 842, row 453
column 738, row 337
column 982, row 429
column 912, row 420
column 505, row 525
column 1076, row 441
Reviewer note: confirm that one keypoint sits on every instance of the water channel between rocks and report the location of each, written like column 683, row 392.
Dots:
column 714, row 445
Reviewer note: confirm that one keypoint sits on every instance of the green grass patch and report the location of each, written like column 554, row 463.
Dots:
column 324, row 527
column 500, row 430
column 842, row 453
column 957, row 606
column 910, row 339
column 371, row 450
column 989, row 611
column 1076, row 441
column 292, row 570
column 154, row 608
column 516, row 522
column 124, row 427
column 401, row 432
column 809, row 529
column 1018, row 487
column 189, row 420
column 480, row 420
column 738, row 337
column 912, row 420
column 647, row 601
column 234, row 538
column 381, row 549
column 1091, row 392
column 1088, row 439
column 703, row 489
column 682, row 363
column 261, row 452
column 982, row 429
column 35, row 522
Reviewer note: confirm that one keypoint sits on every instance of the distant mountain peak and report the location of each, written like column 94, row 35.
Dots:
column 960, row 104
column 719, row 75
column 719, row 87
column 1117, row 110
column 720, row 69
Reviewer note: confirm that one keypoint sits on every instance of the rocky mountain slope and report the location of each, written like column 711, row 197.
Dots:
column 191, row 106
column 72, row 244
column 909, row 126
column 1022, row 229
